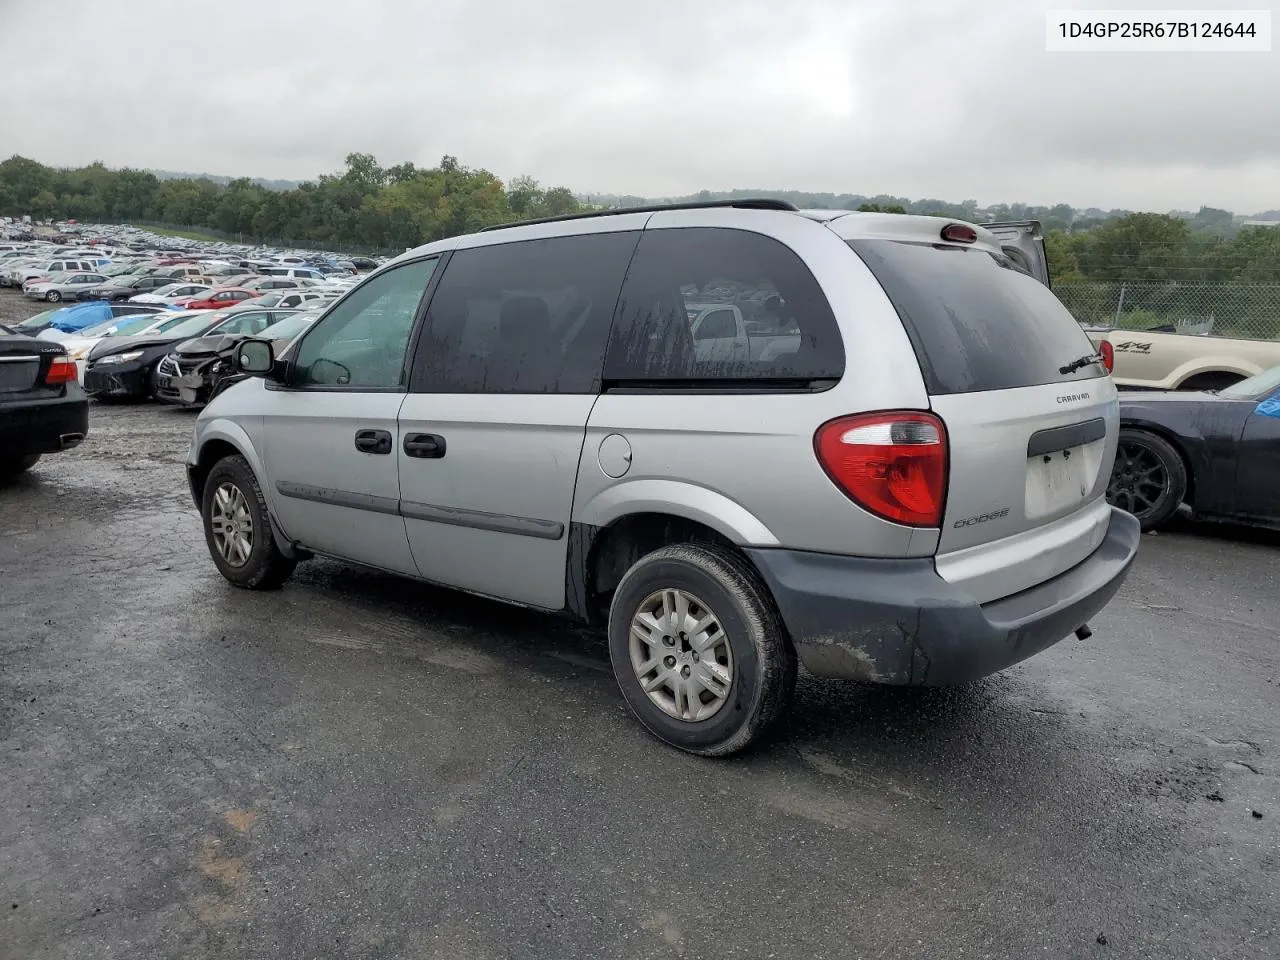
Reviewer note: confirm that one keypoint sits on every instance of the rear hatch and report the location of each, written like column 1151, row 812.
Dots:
column 1031, row 421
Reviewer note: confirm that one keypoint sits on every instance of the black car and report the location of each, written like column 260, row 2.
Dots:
column 42, row 408
column 1218, row 451
column 199, row 369
column 123, row 287
column 125, row 367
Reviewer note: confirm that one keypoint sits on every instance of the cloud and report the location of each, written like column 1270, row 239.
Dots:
column 930, row 98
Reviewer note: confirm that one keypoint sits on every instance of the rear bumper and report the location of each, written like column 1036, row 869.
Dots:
column 44, row 426
column 898, row 622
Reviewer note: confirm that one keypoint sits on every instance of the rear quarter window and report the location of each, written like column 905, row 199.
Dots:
column 790, row 336
column 976, row 320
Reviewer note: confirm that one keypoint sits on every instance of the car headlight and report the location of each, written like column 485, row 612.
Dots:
column 121, row 357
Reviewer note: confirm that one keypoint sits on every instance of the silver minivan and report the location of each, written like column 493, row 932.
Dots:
column 895, row 472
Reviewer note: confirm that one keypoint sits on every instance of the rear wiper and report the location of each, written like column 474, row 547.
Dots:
column 1079, row 362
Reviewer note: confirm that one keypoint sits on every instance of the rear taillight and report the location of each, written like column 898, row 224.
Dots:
column 61, row 370
column 1108, row 355
column 893, row 464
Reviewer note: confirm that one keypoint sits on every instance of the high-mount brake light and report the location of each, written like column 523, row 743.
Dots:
column 959, row 233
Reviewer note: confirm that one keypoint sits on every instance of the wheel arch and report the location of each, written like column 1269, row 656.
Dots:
column 1171, row 437
column 599, row 556
column 223, row 438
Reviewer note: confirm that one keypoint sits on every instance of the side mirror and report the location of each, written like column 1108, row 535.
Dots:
column 255, row 357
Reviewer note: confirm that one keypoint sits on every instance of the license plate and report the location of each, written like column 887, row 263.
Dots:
column 18, row 375
column 1056, row 481
column 192, row 380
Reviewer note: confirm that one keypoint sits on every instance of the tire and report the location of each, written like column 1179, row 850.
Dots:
column 750, row 647
column 264, row 567
column 10, row 468
column 1149, row 479
column 53, row 296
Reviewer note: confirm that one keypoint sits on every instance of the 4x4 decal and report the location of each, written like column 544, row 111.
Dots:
column 1132, row 346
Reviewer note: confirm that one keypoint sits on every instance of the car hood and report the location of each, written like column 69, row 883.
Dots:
column 139, row 341
column 209, row 345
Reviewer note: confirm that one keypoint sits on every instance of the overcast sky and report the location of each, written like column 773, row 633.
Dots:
column 920, row 98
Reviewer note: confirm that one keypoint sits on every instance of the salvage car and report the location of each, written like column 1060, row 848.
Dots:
column 478, row 414
column 123, row 287
column 174, row 294
column 75, row 317
column 42, row 408
column 124, row 367
column 62, row 286
column 200, row 369
column 1217, row 450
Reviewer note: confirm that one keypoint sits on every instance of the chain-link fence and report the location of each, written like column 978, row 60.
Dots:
column 1249, row 310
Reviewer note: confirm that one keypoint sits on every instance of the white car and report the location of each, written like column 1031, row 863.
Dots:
column 79, row 344
column 291, row 299
column 62, row 286
column 172, row 293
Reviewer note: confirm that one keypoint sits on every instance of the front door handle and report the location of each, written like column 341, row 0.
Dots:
column 424, row 446
column 374, row 441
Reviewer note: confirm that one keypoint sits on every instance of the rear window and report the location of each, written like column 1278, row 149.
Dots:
column 773, row 325
column 976, row 321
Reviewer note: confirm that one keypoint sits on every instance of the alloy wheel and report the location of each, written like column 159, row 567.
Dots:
column 1139, row 479
column 232, row 524
column 681, row 655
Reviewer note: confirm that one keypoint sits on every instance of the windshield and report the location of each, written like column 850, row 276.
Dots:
column 130, row 326
column 192, row 327
column 1254, row 387
column 100, row 329
column 39, row 320
column 124, row 281
column 977, row 323
column 288, row 328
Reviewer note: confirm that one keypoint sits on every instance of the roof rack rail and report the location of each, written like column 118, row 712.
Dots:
column 753, row 203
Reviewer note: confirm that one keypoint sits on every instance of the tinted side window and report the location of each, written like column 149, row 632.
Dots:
column 526, row 317
column 362, row 341
column 677, row 273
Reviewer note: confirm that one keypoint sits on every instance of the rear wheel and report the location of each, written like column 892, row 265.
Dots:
column 12, row 466
column 1149, row 479
column 238, row 530
column 699, row 649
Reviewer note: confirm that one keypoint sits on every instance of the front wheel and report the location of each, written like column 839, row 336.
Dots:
column 699, row 649
column 53, row 296
column 1149, row 478
column 238, row 530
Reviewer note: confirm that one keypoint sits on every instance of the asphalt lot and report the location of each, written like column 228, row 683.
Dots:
column 359, row 766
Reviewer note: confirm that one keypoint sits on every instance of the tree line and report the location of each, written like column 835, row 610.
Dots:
column 363, row 208
column 370, row 208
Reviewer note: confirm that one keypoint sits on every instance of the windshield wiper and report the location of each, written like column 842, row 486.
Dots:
column 1079, row 362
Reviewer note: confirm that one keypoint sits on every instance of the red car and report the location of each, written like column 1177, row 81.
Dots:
column 220, row 299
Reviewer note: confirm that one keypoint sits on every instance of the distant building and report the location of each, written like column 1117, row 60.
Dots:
column 1261, row 223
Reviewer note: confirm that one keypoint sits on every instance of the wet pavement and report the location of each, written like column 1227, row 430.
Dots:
column 359, row 766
